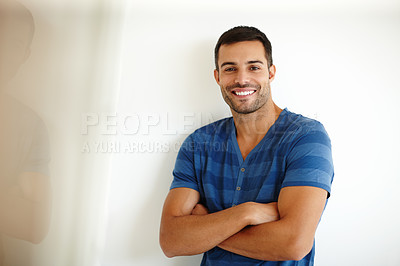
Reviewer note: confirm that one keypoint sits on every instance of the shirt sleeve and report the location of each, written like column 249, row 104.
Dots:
column 184, row 171
column 309, row 162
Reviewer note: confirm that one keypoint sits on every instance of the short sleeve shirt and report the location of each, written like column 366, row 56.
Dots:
column 296, row 151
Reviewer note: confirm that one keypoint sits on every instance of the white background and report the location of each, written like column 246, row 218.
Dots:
column 337, row 61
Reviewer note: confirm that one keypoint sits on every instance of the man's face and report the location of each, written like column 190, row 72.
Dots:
column 14, row 46
column 244, row 76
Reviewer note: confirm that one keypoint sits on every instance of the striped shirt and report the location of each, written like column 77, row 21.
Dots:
column 296, row 151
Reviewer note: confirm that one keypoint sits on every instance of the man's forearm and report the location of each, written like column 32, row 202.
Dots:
column 195, row 234
column 273, row 241
column 262, row 242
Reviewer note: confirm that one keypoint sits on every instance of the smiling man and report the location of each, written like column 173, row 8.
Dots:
column 249, row 189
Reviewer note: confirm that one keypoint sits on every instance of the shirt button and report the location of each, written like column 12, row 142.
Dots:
column 242, row 169
column 238, row 188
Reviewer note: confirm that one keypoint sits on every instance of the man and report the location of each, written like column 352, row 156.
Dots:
column 24, row 150
column 249, row 189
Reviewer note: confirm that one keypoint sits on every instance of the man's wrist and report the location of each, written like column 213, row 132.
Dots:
column 246, row 215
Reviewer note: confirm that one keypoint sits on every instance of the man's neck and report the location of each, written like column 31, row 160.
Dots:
column 251, row 128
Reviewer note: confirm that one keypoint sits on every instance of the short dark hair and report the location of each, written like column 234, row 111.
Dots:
column 241, row 34
column 18, row 12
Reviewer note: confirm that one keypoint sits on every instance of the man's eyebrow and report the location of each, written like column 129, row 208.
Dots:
column 228, row 63
column 248, row 63
column 255, row 62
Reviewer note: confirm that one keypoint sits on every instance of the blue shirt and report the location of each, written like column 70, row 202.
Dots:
column 296, row 151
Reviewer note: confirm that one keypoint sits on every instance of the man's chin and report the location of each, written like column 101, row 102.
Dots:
column 243, row 111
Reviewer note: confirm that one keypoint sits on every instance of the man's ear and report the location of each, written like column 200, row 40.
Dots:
column 216, row 75
column 272, row 71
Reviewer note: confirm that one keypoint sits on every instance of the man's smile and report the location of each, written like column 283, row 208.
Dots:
column 242, row 93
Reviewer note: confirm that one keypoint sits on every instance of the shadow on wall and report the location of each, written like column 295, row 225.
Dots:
column 25, row 196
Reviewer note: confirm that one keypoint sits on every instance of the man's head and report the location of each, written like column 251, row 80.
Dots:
column 16, row 34
column 242, row 34
column 244, row 68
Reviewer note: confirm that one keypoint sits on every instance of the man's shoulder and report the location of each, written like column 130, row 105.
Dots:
column 297, row 124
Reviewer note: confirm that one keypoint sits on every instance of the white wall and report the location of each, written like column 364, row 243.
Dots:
column 336, row 61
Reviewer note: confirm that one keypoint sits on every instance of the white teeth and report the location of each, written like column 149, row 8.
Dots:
column 241, row 93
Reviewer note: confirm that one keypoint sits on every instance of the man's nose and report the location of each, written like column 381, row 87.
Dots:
column 242, row 77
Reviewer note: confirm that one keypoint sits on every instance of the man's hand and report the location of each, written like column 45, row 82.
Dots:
column 259, row 213
column 262, row 212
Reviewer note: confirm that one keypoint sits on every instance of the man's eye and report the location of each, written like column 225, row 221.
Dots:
column 254, row 68
column 229, row 69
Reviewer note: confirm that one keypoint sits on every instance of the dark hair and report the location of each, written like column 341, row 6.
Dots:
column 241, row 34
column 18, row 12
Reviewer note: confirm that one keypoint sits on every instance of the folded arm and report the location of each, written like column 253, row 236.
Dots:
column 187, row 231
column 291, row 237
